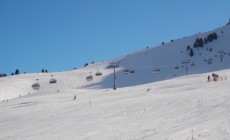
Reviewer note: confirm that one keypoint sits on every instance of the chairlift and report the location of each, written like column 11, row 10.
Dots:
column 210, row 61
column 98, row 73
column 89, row 78
column 126, row 71
column 52, row 80
column 193, row 64
column 176, row 67
column 132, row 71
column 156, row 71
column 36, row 86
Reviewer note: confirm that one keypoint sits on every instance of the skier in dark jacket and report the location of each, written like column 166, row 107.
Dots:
column 75, row 97
column 209, row 78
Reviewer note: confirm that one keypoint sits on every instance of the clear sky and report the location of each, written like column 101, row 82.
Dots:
column 60, row 35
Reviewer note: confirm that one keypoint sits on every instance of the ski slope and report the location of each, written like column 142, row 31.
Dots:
column 184, row 108
column 168, row 105
column 165, row 57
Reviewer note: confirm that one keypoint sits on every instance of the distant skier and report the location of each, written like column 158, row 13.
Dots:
column 148, row 90
column 209, row 78
column 75, row 97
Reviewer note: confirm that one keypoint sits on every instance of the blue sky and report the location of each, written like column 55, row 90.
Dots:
column 60, row 35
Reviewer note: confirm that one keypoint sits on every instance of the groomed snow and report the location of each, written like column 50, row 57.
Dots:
column 185, row 108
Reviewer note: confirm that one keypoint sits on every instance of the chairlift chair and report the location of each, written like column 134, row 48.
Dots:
column 193, row 64
column 126, row 71
column 53, row 81
column 132, row 71
column 176, row 67
column 89, row 78
column 36, row 86
column 98, row 73
column 210, row 61
column 156, row 71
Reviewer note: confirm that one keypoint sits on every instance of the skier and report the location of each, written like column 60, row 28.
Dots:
column 148, row 90
column 209, row 78
column 75, row 97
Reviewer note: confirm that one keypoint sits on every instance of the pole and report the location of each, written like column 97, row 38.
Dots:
column 186, row 66
column 221, row 55
column 114, row 78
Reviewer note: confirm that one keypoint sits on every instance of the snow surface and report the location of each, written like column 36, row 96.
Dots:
column 186, row 108
column 163, row 106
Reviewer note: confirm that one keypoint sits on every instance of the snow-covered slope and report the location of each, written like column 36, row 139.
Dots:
column 183, row 108
column 165, row 57
column 163, row 106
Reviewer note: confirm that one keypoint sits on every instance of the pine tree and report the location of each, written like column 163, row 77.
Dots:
column 17, row 72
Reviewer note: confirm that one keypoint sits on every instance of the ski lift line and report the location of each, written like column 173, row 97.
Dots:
column 155, row 66
column 161, row 66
